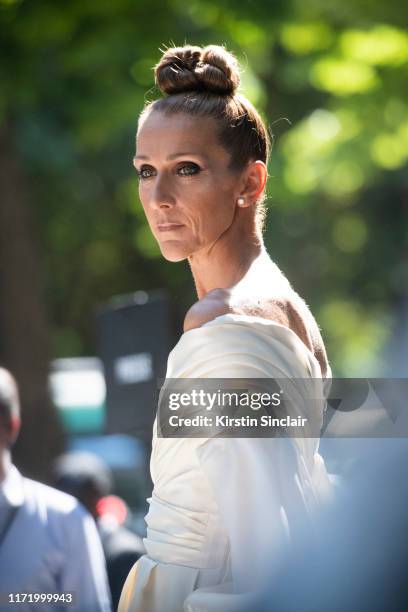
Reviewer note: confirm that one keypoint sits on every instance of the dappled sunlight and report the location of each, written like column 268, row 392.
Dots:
column 302, row 38
column 390, row 151
column 313, row 154
column 354, row 336
column 343, row 77
column 343, row 178
column 350, row 233
column 383, row 45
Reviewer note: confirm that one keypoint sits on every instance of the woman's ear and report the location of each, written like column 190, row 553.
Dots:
column 253, row 183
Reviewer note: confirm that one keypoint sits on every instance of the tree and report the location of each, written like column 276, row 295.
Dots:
column 24, row 324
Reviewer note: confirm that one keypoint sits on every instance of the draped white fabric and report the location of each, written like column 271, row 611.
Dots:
column 222, row 509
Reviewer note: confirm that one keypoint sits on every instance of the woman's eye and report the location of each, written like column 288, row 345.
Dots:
column 188, row 169
column 145, row 172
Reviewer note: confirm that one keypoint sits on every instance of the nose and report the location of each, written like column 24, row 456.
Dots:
column 162, row 195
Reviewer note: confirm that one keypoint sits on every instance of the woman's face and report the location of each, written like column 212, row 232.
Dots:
column 186, row 189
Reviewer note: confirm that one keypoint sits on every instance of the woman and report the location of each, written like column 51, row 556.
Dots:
column 221, row 509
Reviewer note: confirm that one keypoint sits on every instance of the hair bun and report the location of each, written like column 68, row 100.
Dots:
column 189, row 68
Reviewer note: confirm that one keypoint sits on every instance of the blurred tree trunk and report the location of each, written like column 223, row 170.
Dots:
column 24, row 332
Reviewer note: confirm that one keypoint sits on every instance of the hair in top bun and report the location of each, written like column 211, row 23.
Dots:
column 203, row 82
column 211, row 69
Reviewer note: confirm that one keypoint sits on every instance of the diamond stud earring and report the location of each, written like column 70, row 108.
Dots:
column 241, row 201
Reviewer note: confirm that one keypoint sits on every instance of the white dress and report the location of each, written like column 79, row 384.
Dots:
column 223, row 508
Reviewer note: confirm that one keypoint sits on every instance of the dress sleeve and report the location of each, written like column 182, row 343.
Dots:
column 153, row 586
column 265, row 503
column 266, row 489
column 259, row 491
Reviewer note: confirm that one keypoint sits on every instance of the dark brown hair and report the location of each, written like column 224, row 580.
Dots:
column 203, row 82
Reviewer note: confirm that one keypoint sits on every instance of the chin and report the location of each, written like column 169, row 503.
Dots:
column 173, row 251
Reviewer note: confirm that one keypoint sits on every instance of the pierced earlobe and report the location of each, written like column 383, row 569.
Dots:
column 241, row 201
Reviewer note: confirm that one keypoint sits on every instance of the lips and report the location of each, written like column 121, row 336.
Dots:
column 167, row 227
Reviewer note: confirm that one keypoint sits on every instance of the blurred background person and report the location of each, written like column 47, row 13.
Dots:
column 48, row 542
column 86, row 476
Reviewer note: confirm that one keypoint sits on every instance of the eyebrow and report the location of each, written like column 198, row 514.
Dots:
column 173, row 155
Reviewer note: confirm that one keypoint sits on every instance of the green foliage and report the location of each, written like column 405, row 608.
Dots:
column 332, row 80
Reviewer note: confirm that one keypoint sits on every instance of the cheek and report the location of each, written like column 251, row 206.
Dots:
column 216, row 212
column 144, row 202
column 208, row 204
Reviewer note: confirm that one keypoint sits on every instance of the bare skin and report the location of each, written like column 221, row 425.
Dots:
column 9, row 430
column 9, row 425
column 191, row 204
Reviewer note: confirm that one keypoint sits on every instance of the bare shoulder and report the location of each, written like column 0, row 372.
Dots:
column 223, row 301
column 290, row 311
column 214, row 304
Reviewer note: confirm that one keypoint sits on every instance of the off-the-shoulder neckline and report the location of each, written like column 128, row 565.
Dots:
column 233, row 317
column 244, row 317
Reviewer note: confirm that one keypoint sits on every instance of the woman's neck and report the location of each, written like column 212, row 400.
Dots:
column 222, row 266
